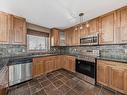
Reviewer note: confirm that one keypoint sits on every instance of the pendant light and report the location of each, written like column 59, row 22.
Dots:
column 81, row 20
column 81, row 15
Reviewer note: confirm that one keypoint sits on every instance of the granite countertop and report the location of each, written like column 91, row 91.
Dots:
column 113, row 59
column 4, row 60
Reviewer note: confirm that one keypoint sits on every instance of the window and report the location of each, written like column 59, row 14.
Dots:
column 37, row 42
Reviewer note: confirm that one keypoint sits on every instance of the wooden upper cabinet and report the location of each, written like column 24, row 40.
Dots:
column 55, row 37
column 84, row 31
column 68, row 36
column 107, row 29
column 77, row 36
column 123, row 32
column 72, row 36
column 4, row 27
column 19, row 29
column 93, row 27
column 12, row 29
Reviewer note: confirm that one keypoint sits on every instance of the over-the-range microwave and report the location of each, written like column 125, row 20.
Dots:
column 90, row 40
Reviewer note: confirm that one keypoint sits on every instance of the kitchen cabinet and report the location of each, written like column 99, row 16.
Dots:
column 3, row 80
column 123, row 25
column 38, row 67
column 107, row 29
column 19, row 30
column 68, row 36
column 117, row 78
column 84, row 31
column 60, row 61
column 3, row 91
column 112, row 75
column 55, row 37
column 77, row 36
column 102, row 73
column 93, row 27
column 70, row 63
column 72, row 36
column 49, row 64
column 4, row 28
column 12, row 29
column 125, row 81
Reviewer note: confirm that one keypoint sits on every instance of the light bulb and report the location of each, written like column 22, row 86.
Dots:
column 87, row 25
column 81, row 27
column 76, row 29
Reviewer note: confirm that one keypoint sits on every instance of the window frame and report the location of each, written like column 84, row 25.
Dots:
column 48, row 43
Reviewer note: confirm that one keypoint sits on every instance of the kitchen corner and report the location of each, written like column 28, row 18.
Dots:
column 63, row 49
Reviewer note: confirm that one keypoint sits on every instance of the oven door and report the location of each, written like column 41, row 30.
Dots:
column 85, row 67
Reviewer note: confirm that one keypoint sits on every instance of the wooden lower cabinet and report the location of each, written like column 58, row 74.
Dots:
column 60, row 61
column 70, row 63
column 3, row 91
column 117, row 78
column 112, row 75
column 47, row 64
column 102, row 73
column 4, row 81
column 125, row 81
column 38, row 67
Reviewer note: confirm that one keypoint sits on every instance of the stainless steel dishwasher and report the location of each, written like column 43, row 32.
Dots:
column 20, row 70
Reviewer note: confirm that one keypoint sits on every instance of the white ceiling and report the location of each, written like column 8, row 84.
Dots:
column 59, row 13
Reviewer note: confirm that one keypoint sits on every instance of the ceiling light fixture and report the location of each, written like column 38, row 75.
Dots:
column 81, row 15
column 81, row 20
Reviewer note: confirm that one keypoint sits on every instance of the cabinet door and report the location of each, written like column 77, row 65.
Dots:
column 19, row 30
column 84, row 31
column 123, row 32
column 107, row 29
column 102, row 73
column 49, row 65
column 71, row 65
column 55, row 37
column 59, row 62
column 4, row 81
column 38, row 67
column 68, row 37
column 93, row 27
column 117, row 78
column 4, row 28
column 3, row 91
column 125, row 81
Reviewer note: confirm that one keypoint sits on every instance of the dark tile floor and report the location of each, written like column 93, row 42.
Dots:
column 60, row 82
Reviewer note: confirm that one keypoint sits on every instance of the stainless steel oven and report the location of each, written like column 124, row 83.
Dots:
column 86, row 67
column 90, row 40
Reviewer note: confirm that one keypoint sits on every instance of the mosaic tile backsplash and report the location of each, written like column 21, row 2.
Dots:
column 8, row 50
column 108, row 51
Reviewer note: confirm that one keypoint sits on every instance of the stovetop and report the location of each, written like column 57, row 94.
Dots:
column 89, row 56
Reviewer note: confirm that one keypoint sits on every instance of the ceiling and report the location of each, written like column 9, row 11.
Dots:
column 59, row 13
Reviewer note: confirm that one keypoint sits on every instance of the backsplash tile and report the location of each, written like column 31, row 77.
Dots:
column 108, row 51
column 7, row 50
